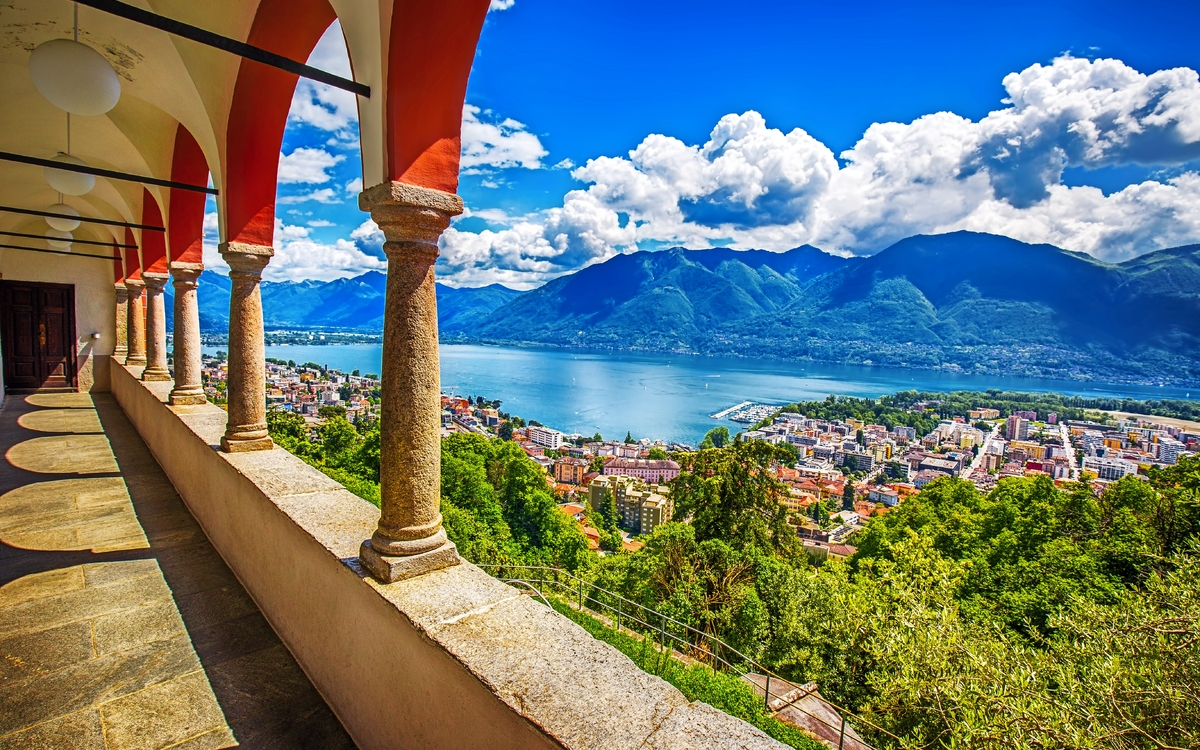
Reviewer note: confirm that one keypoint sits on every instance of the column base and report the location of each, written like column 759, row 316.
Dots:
column 134, row 360
column 245, row 446
column 389, row 568
column 150, row 375
column 119, row 356
column 183, row 398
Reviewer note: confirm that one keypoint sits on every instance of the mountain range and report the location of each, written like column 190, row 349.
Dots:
column 961, row 301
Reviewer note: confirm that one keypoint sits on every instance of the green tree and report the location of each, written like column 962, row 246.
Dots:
column 717, row 437
column 657, row 454
column 629, row 439
column 733, row 494
column 338, row 439
column 848, row 495
column 327, row 411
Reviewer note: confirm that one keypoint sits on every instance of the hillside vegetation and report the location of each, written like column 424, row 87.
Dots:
column 1031, row 616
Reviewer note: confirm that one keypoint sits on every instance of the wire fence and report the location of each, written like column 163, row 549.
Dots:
column 682, row 641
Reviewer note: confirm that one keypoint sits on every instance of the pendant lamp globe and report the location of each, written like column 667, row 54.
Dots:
column 74, row 77
column 59, row 223
column 58, row 240
column 69, row 183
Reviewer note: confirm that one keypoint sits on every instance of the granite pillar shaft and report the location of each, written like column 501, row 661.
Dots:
column 121, row 350
column 137, row 324
column 410, row 539
column 245, row 388
column 156, row 328
column 188, row 386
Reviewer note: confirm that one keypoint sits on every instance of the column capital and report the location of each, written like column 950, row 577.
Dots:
column 412, row 218
column 186, row 271
column 155, row 282
column 134, row 286
column 246, row 259
column 122, row 292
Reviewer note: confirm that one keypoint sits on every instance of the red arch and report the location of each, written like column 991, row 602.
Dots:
column 186, row 227
column 133, row 267
column 154, row 245
column 258, row 114
column 429, row 61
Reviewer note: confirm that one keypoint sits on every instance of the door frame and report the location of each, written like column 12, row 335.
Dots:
column 72, row 339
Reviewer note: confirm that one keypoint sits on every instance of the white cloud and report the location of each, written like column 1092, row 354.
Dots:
column 763, row 188
column 501, row 4
column 307, row 165
column 317, row 223
column 353, row 187
column 323, row 195
column 211, row 258
column 502, row 144
column 298, row 257
column 578, row 234
column 490, row 215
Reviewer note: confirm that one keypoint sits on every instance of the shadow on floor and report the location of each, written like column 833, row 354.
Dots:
column 63, row 507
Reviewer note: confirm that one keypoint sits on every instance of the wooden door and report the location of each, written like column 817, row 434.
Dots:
column 37, row 331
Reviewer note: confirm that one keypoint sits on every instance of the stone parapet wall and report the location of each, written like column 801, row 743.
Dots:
column 451, row 659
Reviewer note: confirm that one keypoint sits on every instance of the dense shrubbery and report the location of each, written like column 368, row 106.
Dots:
column 496, row 505
column 1032, row 616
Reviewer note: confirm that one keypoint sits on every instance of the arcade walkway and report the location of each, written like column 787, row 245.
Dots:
column 120, row 626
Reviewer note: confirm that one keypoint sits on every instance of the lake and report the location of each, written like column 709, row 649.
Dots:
column 666, row 396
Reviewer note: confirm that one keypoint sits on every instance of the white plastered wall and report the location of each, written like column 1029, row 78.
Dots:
column 95, row 302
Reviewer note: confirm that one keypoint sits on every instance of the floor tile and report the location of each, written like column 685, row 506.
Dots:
column 77, row 731
column 47, row 651
column 162, row 715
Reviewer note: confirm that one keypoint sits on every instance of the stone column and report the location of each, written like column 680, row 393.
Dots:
column 156, row 328
column 188, row 387
column 121, row 350
column 137, row 324
column 410, row 540
column 246, row 387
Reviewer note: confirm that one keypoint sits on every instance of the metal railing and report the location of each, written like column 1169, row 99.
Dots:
column 690, row 643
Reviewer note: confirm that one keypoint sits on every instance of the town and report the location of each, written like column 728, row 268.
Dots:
column 844, row 472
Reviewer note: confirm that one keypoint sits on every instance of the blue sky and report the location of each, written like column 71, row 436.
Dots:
column 599, row 128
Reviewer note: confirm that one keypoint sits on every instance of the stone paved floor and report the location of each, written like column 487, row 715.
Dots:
column 120, row 626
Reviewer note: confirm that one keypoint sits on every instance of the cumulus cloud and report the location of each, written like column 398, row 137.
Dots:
column 498, row 143
column 307, row 165
column 299, row 257
column 750, row 185
column 501, row 4
column 324, row 195
column 530, row 252
column 1078, row 112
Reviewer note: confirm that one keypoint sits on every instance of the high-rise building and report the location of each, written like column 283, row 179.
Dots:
column 545, row 437
column 1016, row 427
column 1169, row 450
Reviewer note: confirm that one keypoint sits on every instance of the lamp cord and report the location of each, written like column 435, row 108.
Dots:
column 75, row 36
